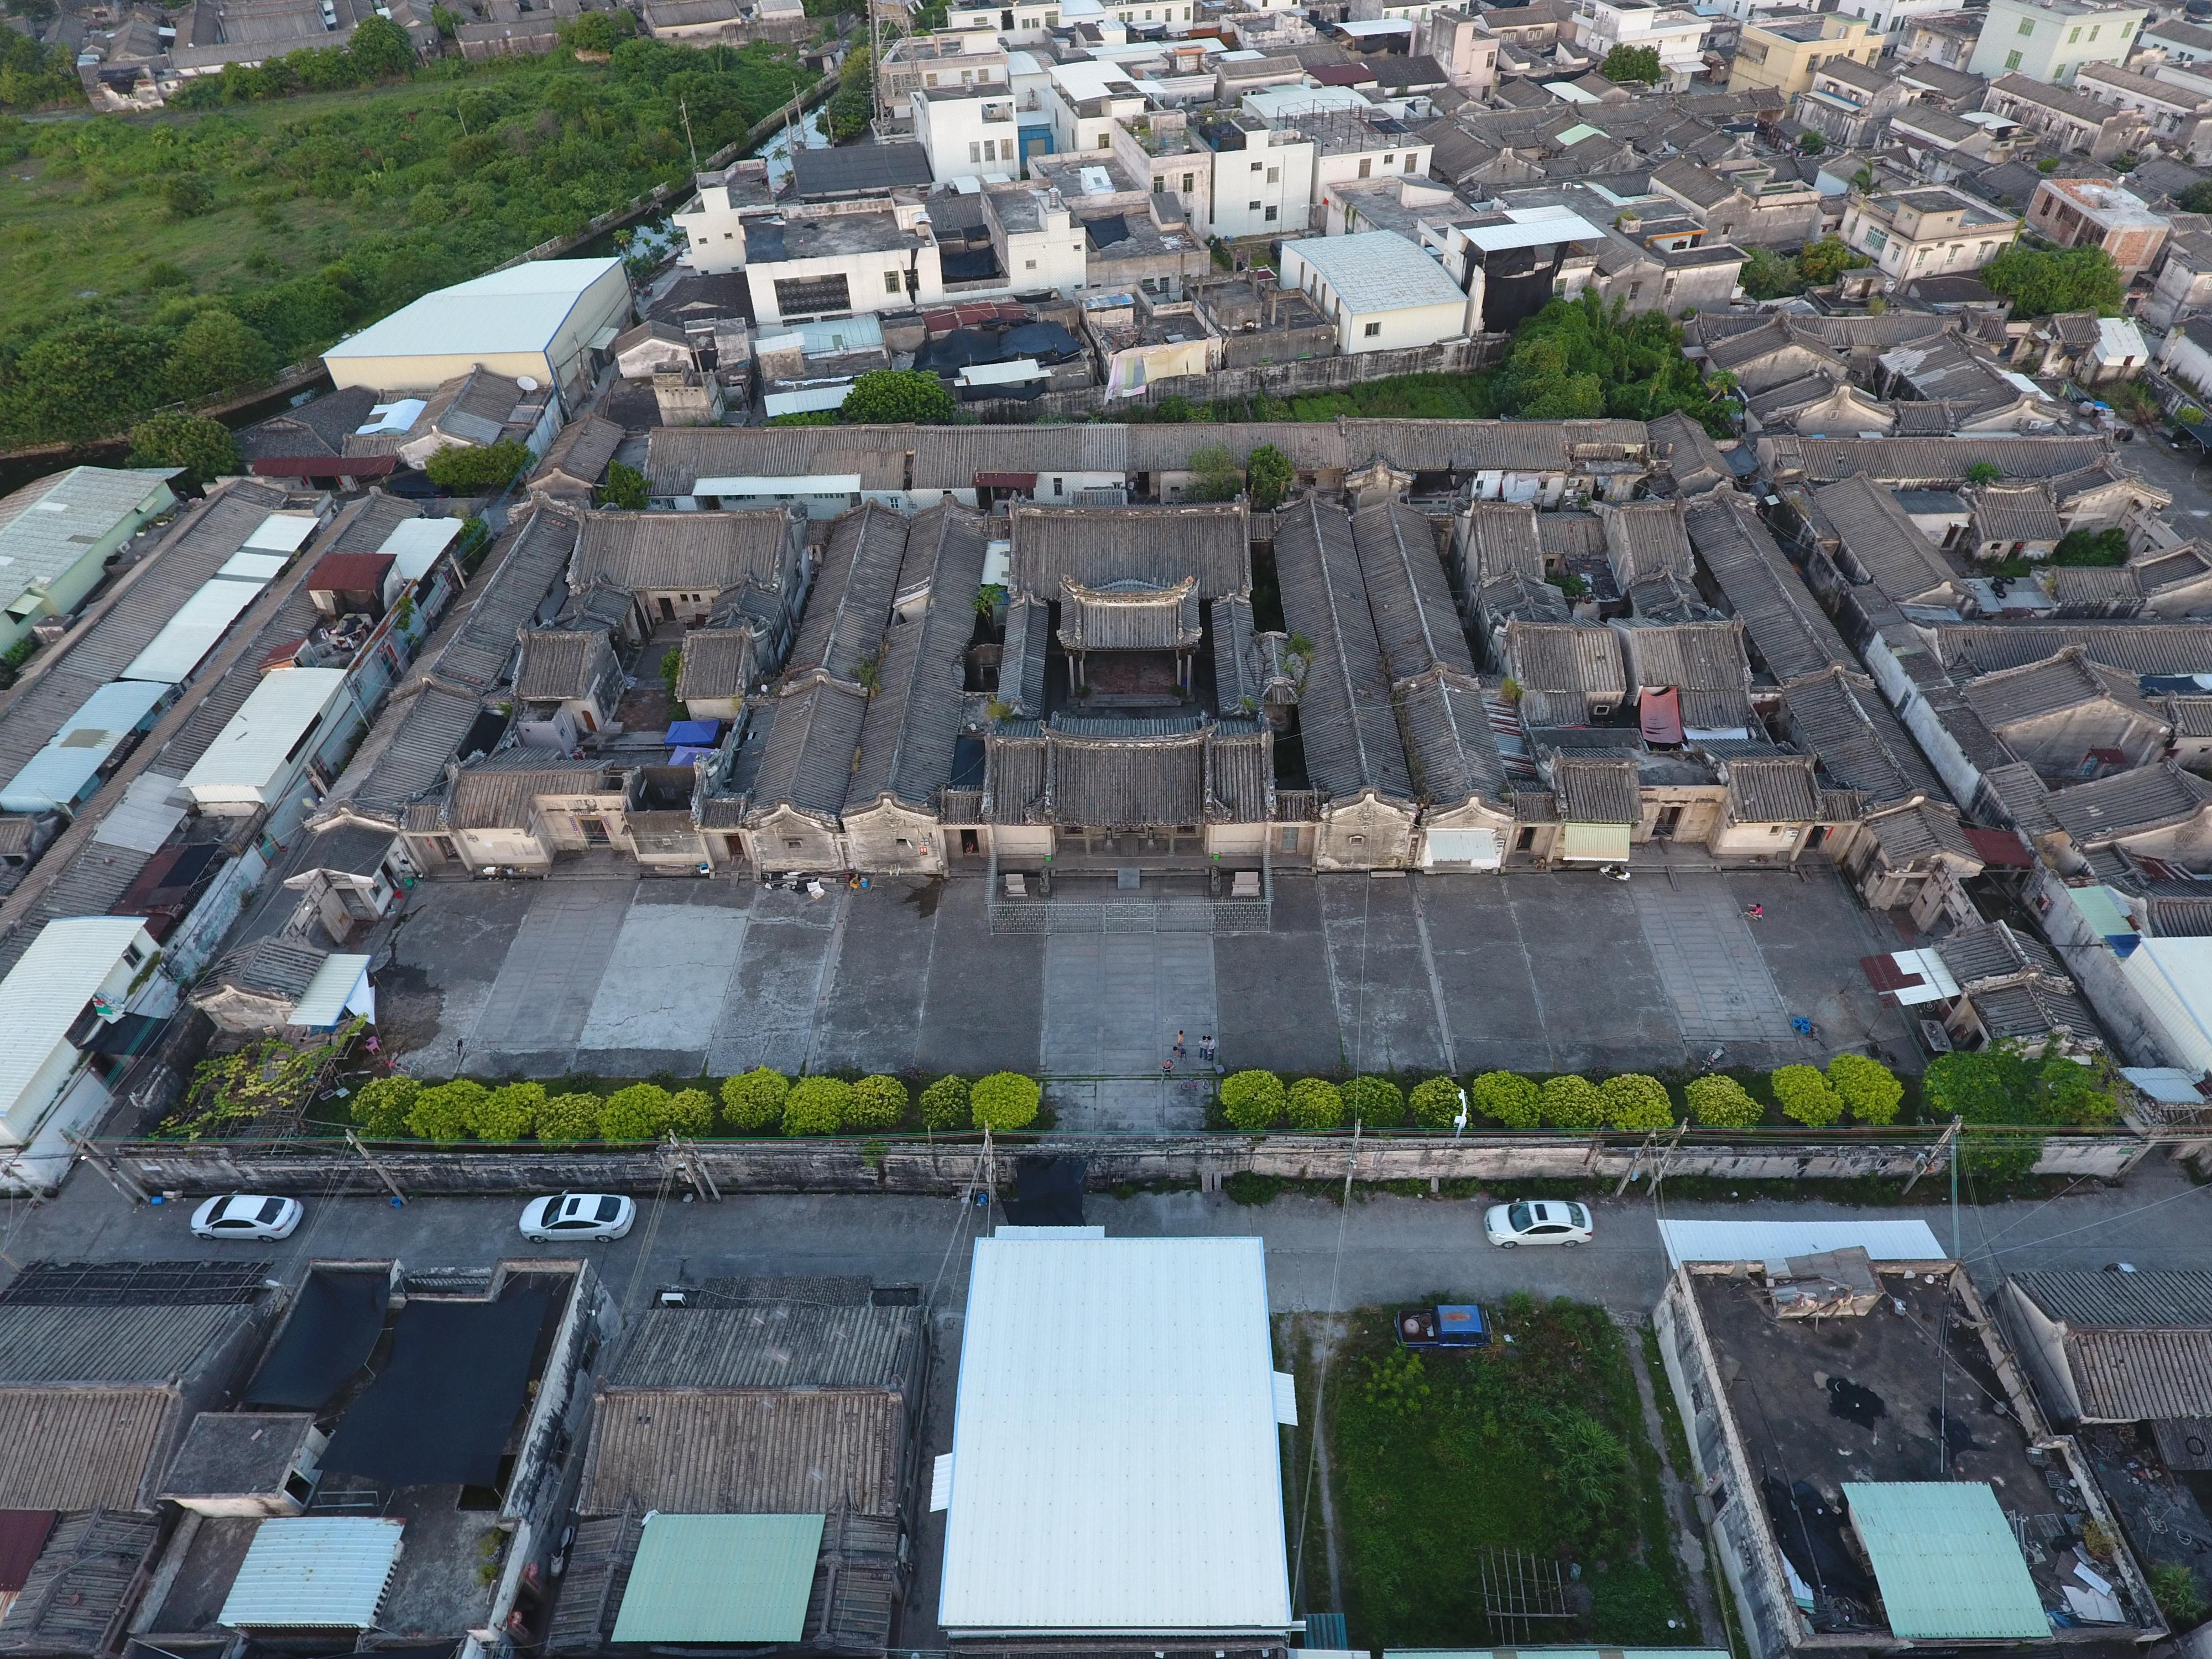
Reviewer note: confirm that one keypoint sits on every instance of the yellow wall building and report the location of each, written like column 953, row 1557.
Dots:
column 1784, row 54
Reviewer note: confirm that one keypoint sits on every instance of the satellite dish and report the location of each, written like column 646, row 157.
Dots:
column 526, row 382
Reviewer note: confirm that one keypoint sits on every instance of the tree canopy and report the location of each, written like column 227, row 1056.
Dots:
column 2040, row 282
column 203, row 447
column 467, row 468
column 1639, row 63
column 1579, row 359
column 895, row 395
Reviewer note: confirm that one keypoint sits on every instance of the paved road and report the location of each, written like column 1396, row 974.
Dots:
column 1393, row 1248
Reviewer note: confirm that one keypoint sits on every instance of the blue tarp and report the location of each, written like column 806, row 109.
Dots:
column 702, row 732
column 686, row 754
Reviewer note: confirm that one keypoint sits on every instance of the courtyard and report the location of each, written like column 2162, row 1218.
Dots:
column 627, row 977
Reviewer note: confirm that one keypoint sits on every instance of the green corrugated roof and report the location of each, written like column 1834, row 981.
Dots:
column 1947, row 1562
column 720, row 1578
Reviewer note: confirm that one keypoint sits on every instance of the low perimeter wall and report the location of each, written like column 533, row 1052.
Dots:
column 944, row 1164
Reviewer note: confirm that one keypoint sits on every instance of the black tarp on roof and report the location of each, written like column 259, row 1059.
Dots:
column 328, row 1337
column 438, row 1414
column 963, row 348
column 1104, row 233
column 1049, row 343
column 858, row 169
column 1049, row 1193
column 968, row 265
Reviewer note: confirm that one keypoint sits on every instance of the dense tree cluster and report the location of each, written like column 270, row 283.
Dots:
column 2040, row 282
column 378, row 50
column 1580, row 359
column 1638, row 63
column 31, row 75
column 401, row 191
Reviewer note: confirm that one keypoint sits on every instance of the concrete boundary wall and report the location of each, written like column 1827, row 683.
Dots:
column 907, row 1165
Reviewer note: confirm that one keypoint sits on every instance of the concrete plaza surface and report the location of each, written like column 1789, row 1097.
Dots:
column 625, row 977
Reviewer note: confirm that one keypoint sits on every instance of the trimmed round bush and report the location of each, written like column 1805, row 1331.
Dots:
column 753, row 1101
column 382, row 1105
column 567, row 1119
column 1253, row 1101
column 1634, row 1101
column 1803, row 1094
column 1722, row 1102
column 444, row 1111
column 878, row 1102
column 508, row 1112
column 691, row 1112
column 1005, row 1100
column 1869, row 1090
column 817, row 1106
column 1315, row 1103
column 1512, row 1099
column 1436, row 1103
column 1375, row 1100
column 637, row 1113
column 1572, row 1102
column 944, row 1103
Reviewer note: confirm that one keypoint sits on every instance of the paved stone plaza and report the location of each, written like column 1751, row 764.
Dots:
column 1538, row 973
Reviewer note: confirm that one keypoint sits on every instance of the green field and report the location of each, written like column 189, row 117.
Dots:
column 149, row 261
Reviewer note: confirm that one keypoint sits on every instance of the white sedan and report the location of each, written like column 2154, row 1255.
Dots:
column 1539, row 1221
column 248, row 1215
column 578, row 1215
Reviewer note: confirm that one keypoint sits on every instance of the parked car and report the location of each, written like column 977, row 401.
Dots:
column 1539, row 1221
column 578, row 1215
column 248, row 1215
column 1452, row 1324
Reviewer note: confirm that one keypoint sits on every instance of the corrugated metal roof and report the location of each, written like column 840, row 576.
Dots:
column 720, row 1578
column 61, row 771
column 49, row 527
column 251, row 752
column 1778, row 1241
column 1097, row 1376
column 79, row 1586
column 80, row 1449
column 518, row 309
column 1945, row 1560
column 47, row 990
column 314, row 1572
column 744, row 1451
column 192, row 630
column 2136, row 1301
column 788, row 1345
column 2125, row 1377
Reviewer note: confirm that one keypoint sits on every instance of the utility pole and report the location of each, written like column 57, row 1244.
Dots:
column 390, row 1185
column 990, row 1165
column 1357, row 1127
column 1955, row 1122
column 1926, row 1160
column 1659, row 1173
column 685, row 109
column 1636, row 1163
column 694, row 1168
column 106, row 1166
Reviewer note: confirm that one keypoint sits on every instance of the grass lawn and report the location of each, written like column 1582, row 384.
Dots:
column 1538, row 1445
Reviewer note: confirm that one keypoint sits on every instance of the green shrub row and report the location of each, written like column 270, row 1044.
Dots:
column 1256, row 1101
column 758, row 1103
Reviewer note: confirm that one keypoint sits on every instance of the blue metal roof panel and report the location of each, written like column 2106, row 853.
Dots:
column 1947, row 1564
column 720, row 1578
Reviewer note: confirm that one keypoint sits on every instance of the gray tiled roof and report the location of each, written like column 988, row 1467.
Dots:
column 914, row 721
column 1562, row 668
column 1643, row 539
column 1596, row 791
column 851, row 601
column 527, row 565
column 1451, row 749
column 675, row 458
column 1345, row 722
column 2065, row 681
column 1846, row 726
column 497, row 791
column 2014, row 513
column 809, row 762
column 717, row 662
column 1943, row 462
column 2129, row 803
column 1098, row 546
column 1704, row 656
column 1411, row 603
column 1129, row 616
column 1880, row 538
column 1502, row 538
column 697, row 551
column 1570, row 535
column 1776, row 790
column 1787, row 630
column 560, row 662
column 2133, row 647
column 1993, row 949
column 1021, row 660
column 272, row 966
column 577, row 458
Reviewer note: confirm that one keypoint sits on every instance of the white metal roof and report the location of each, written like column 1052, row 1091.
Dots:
column 252, row 751
column 186, row 637
column 341, row 983
column 1533, row 228
column 1114, row 1449
column 2118, row 338
column 283, row 532
column 246, row 565
column 48, row 527
column 517, row 310
column 1377, row 271
column 150, row 808
column 802, row 484
column 314, row 1572
column 48, row 987
column 415, row 543
column 58, row 774
column 1776, row 1241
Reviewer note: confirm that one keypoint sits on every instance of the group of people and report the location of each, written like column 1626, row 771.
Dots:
column 1183, row 1052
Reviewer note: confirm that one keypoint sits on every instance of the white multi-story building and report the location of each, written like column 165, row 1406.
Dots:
column 1677, row 34
column 971, row 132
column 1933, row 231
column 1086, row 99
column 927, row 63
column 1263, row 176
column 1353, row 138
column 1889, row 17
column 2050, row 39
